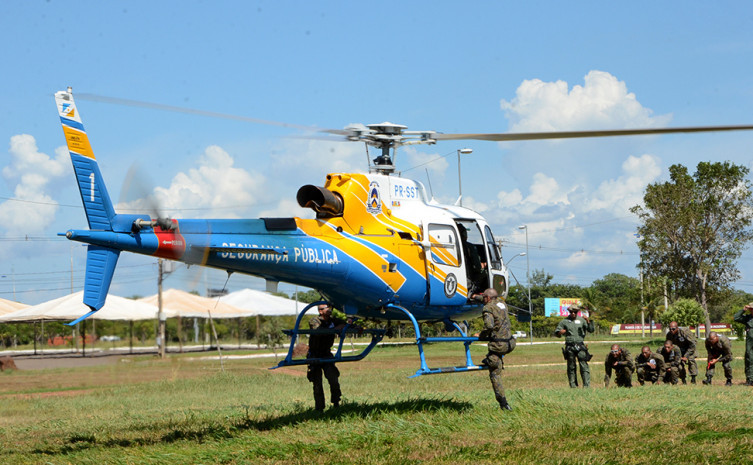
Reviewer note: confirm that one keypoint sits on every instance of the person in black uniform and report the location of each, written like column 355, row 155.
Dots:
column 320, row 346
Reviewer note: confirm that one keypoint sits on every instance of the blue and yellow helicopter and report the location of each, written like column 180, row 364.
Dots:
column 378, row 248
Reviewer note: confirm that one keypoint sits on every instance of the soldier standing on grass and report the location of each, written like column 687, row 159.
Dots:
column 745, row 317
column 672, row 362
column 320, row 346
column 575, row 328
column 618, row 359
column 498, row 331
column 649, row 366
column 685, row 340
column 719, row 348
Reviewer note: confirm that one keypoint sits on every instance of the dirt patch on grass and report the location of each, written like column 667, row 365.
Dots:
column 49, row 362
column 48, row 394
column 53, row 375
column 291, row 371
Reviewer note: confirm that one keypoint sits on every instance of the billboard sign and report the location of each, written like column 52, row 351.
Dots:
column 558, row 307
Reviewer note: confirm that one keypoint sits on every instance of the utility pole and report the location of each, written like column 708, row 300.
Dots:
column 160, row 314
column 528, row 280
column 643, row 308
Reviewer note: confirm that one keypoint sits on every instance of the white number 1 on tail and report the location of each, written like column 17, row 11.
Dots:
column 91, row 178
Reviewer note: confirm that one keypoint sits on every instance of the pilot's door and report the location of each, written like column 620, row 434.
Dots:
column 445, row 273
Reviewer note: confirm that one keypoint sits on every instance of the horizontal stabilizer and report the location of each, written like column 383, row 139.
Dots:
column 81, row 318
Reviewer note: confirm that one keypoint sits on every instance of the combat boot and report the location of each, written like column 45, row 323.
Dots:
column 729, row 382
column 503, row 404
column 707, row 381
column 684, row 381
column 749, row 382
column 692, row 379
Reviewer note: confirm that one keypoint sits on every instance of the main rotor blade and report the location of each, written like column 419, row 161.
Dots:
column 190, row 111
column 518, row 136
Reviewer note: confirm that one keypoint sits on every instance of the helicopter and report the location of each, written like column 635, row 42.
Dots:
column 378, row 248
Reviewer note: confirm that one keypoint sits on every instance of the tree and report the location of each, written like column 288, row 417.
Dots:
column 694, row 228
column 686, row 312
column 617, row 297
column 307, row 296
column 654, row 310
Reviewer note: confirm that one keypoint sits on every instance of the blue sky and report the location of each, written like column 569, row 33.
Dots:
column 479, row 67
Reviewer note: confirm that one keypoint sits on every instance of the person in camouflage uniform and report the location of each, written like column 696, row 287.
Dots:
column 745, row 318
column 672, row 357
column 649, row 366
column 320, row 346
column 719, row 348
column 498, row 331
column 575, row 328
column 685, row 340
column 619, row 360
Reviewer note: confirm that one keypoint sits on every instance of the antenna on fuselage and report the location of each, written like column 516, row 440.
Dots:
column 431, row 191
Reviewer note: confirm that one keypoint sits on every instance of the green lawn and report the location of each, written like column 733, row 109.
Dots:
column 186, row 410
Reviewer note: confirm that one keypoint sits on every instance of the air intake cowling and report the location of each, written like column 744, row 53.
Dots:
column 324, row 202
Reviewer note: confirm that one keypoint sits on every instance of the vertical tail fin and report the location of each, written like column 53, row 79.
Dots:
column 97, row 203
column 100, row 261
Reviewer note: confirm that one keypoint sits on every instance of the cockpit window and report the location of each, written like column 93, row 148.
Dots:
column 494, row 255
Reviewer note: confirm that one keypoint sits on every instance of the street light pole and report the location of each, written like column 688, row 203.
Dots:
column 528, row 282
column 460, row 183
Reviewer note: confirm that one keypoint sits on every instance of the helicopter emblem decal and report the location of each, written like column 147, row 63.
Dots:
column 375, row 201
column 450, row 285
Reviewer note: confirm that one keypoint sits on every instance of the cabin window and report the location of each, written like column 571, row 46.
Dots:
column 444, row 245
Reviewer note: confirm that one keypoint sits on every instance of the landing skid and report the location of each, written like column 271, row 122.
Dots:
column 376, row 336
column 420, row 340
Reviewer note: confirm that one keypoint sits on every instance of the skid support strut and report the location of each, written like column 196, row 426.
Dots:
column 376, row 337
column 420, row 340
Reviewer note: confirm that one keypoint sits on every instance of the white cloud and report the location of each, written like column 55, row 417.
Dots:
column 29, row 173
column 509, row 199
column 573, row 189
column 546, row 198
column 316, row 157
column 577, row 259
column 602, row 102
column 546, row 190
column 559, row 215
column 286, row 208
column 619, row 195
column 215, row 189
column 419, row 161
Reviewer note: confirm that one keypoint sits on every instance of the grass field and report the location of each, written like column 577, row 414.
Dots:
column 186, row 410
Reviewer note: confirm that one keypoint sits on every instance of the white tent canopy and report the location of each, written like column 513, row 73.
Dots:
column 71, row 307
column 7, row 306
column 243, row 303
column 187, row 305
column 262, row 303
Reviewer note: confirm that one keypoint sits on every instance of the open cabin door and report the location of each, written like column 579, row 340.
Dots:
column 497, row 270
column 445, row 274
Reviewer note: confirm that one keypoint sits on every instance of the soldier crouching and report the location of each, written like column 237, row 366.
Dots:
column 649, row 366
column 672, row 357
column 618, row 359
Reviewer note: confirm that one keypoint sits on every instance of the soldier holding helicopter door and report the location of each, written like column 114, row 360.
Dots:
column 498, row 331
